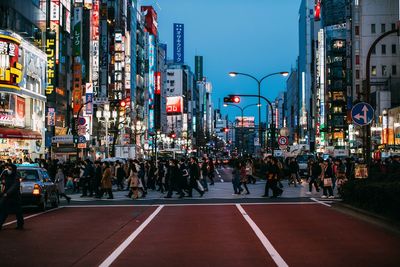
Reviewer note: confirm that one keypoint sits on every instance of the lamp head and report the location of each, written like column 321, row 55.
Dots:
column 225, row 105
column 232, row 74
column 285, row 73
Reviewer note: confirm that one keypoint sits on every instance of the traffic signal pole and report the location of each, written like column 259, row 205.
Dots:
column 272, row 118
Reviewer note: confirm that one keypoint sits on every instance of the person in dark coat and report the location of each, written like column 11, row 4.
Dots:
column 174, row 177
column 194, row 172
column 11, row 196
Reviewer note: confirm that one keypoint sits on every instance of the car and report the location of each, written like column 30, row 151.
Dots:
column 37, row 187
column 302, row 160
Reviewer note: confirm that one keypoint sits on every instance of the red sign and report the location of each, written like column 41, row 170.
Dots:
column 157, row 83
column 20, row 107
column 150, row 19
column 95, row 20
column 174, row 105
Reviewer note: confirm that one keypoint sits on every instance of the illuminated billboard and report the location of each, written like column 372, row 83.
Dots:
column 174, row 105
column 248, row 122
column 10, row 69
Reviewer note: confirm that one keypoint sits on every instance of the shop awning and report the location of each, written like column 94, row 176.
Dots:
column 19, row 134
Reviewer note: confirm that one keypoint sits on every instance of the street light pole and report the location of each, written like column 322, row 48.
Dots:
column 367, row 128
column 259, row 81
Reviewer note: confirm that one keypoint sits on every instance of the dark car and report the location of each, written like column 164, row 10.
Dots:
column 37, row 188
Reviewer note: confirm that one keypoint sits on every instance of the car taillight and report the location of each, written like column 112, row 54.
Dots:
column 36, row 189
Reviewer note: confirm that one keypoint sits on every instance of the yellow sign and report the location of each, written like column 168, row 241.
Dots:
column 10, row 69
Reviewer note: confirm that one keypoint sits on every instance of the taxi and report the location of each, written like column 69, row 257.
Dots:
column 37, row 187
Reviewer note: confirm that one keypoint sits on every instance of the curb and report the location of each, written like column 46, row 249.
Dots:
column 368, row 216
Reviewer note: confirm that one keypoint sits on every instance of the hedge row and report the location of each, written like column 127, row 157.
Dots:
column 378, row 196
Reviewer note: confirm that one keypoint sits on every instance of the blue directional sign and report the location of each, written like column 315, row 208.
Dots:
column 81, row 139
column 362, row 113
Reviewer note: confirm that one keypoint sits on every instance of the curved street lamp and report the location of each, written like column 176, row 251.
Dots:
column 259, row 81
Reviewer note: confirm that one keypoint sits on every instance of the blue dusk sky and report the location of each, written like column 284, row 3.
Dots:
column 257, row 37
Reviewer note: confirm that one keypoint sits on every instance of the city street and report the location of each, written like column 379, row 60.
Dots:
column 216, row 230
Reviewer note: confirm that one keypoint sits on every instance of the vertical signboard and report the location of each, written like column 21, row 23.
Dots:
column 51, row 62
column 89, row 99
column 51, row 116
column 95, row 47
column 157, row 83
column 77, row 32
column 103, row 49
column 76, row 90
column 179, row 43
column 152, row 68
column 198, row 60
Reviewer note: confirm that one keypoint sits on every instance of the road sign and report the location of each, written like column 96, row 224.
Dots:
column 362, row 113
column 283, row 141
column 82, row 145
column 81, row 121
column 81, row 139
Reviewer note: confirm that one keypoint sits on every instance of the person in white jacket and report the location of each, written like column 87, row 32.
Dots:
column 60, row 181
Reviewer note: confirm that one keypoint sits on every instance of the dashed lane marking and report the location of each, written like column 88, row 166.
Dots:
column 264, row 240
column 110, row 259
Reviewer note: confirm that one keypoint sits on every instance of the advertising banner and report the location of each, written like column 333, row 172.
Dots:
column 55, row 11
column 174, row 105
column 179, row 43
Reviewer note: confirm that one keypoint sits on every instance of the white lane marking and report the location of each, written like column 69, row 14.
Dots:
column 320, row 202
column 107, row 262
column 264, row 240
column 192, row 204
column 33, row 215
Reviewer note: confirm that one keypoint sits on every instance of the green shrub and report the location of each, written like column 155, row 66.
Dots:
column 381, row 196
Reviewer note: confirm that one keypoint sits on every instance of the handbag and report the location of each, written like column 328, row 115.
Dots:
column 327, row 182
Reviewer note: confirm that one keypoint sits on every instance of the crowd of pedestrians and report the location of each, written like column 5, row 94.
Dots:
column 96, row 179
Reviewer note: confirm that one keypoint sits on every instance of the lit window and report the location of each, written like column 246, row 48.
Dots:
column 373, row 70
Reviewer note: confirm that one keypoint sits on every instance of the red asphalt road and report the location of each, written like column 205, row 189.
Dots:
column 213, row 235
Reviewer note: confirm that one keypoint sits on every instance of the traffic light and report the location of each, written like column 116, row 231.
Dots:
column 122, row 103
column 232, row 99
column 172, row 135
column 225, row 130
